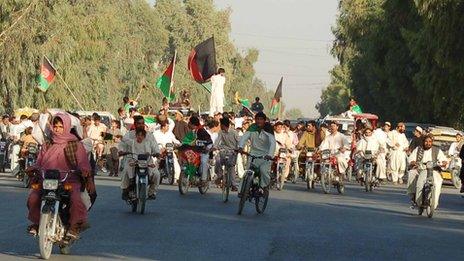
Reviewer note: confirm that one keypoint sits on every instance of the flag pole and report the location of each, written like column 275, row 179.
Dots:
column 173, row 70
column 67, row 87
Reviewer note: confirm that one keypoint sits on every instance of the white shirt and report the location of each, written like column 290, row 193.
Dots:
column 335, row 142
column 453, row 149
column 38, row 134
column 397, row 138
column 369, row 143
column 165, row 138
column 94, row 131
column 238, row 122
column 427, row 156
column 381, row 136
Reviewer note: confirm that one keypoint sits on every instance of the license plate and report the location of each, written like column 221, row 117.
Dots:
column 446, row 175
column 50, row 184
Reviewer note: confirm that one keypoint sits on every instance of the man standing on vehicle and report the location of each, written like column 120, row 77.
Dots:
column 216, row 103
column 262, row 143
column 129, row 144
column 338, row 144
column 399, row 145
column 257, row 106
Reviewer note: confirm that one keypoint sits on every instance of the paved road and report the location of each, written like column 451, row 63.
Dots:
column 298, row 225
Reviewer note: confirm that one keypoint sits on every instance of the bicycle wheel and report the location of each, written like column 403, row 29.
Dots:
column 225, row 187
column 245, row 190
column 430, row 209
column 261, row 201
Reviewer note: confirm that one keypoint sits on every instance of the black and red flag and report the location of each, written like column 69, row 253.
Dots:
column 202, row 61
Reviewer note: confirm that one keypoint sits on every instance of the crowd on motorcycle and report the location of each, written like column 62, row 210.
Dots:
column 57, row 154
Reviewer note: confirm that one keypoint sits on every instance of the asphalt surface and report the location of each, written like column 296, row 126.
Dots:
column 297, row 225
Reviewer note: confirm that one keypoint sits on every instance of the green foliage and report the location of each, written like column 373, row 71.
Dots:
column 293, row 114
column 402, row 60
column 105, row 50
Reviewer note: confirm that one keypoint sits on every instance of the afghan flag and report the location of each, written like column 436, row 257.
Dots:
column 202, row 62
column 47, row 75
column 164, row 83
column 275, row 104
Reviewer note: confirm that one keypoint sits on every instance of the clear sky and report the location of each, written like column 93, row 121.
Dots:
column 294, row 39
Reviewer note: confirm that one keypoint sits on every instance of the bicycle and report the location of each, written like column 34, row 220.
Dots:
column 251, row 189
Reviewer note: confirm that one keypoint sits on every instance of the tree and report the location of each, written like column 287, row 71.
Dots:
column 293, row 114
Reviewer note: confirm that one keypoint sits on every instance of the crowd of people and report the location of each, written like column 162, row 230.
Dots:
column 99, row 148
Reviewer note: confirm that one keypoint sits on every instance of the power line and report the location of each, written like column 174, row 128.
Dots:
column 283, row 37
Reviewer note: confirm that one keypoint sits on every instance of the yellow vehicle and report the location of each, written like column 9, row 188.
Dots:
column 443, row 138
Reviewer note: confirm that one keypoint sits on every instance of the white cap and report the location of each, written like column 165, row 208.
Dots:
column 388, row 123
column 419, row 129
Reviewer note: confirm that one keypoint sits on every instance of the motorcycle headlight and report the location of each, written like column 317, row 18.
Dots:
column 325, row 156
column 309, row 154
column 50, row 184
column 283, row 155
column 143, row 165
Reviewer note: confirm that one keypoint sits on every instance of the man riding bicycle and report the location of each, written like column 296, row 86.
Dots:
column 226, row 143
column 262, row 143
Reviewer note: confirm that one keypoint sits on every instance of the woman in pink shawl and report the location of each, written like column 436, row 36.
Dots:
column 65, row 153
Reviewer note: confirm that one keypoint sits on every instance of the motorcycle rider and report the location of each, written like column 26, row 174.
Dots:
column 227, row 141
column 417, row 176
column 164, row 136
column 262, row 143
column 138, row 141
column 65, row 153
column 199, row 140
column 370, row 142
column 283, row 142
column 338, row 144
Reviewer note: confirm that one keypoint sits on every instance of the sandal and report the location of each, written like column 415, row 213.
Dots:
column 33, row 229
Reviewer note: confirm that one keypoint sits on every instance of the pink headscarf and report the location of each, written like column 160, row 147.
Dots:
column 53, row 157
column 66, row 136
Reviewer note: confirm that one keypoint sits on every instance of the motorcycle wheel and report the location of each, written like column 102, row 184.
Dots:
column 225, row 187
column 142, row 198
column 261, row 202
column 309, row 179
column 65, row 250
column 420, row 211
column 184, row 183
column 455, row 178
column 295, row 174
column 245, row 190
column 45, row 244
column 326, row 181
column 349, row 174
column 134, row 205
column 171, row 175
column 430, row 209
column 25, row 180
column 340, row 188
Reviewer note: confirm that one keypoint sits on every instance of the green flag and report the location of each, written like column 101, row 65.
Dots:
column 164, row 83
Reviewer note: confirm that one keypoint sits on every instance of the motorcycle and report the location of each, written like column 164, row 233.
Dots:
column 167, row 165
column 3, row 154
column 310, row 175
column 294, row 174
column 455, row 171
column 192, row 178
column 281, row 161
column 26, row 162
column 54, row 211
column 329, row 173
column 426, row 200
column 138, row 192
column 370, row 181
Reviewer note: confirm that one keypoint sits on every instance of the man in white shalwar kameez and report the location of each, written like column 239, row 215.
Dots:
column 216, row 102
column 382, row 136
column 339, row 146
column 399, row 145
column 372, row 143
